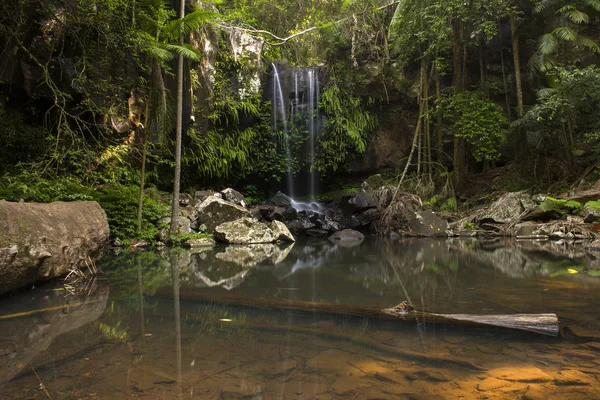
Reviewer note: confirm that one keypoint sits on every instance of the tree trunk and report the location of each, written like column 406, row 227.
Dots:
column 520, row 145
column 457, row 82
column 417, row 133
column 143, row 170
column 178, row 129
column 504, row 82
column 543, row 324
column 438, row 117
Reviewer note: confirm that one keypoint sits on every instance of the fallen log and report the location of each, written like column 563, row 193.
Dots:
column 543, row 324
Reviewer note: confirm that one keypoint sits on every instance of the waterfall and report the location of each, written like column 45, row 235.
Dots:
column 297, row 95
column 279, row 109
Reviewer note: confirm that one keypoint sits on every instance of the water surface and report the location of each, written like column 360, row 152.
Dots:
column 141, row 333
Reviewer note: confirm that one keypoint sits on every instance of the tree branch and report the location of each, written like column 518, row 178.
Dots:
column 284, row 40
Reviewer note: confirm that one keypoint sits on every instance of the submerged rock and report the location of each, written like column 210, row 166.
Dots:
column 347, row 234
column 44, row 241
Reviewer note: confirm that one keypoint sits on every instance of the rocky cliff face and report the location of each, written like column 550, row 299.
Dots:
column 43, row 241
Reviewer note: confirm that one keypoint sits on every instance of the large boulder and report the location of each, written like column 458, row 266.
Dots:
column 427, row 223
column 281, row 200
column 509, row 208
column 233, row 196
column 44, row 241
column 214, row 211
column 358, row 202
column 244, row 230
column 281, row 232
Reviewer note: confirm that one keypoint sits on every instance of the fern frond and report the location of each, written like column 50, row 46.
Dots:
column 187, row 51
column 547, row 44
column 578, row 17
column 589, row 43
column 565, row 33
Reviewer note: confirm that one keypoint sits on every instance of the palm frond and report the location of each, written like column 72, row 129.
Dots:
column 187, row 51
column 575, row 15
column 565, row 33
column 544, row 5
column 589, row 43
column 162, row 53
column 595, row 4
column 547, row 44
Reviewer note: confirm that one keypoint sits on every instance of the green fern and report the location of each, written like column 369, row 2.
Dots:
column 560, row 206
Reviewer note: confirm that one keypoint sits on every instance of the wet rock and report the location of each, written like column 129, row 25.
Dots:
column 352, row 222
column 529, row 230
column 573, row 377
column 44, row 241
column 427, row 223
column 345, row 386
column 358, row 202
column 201, row 242
column 347, row 234
column 244, row 230
column 185, row 199
column 300, row 225
column 520, row 374
column 314, row 232
column 509, row 207
column 202, row 195
column 280, row 199
column 185, row 225
column 591, row 215
column 233, row 196
column 492, row 384
column 281, row 232
column 328, row 361
column 375, row 181
column 367, row 216
column 429, row 375
column 535, row 392
column 284, row 368
column 214, row 211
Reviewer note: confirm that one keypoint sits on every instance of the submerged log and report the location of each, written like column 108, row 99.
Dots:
column 543, row 324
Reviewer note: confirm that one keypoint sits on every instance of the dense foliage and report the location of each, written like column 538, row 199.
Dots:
column 88, row 92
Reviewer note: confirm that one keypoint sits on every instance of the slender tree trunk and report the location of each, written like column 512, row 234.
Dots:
column 482, row 66
column 178, row 129
column 143, row 170
column 142, row 179
column 457, row 82
column 438, row 124
column 504, row 82
column 427, row 155
column 521, row 137
column 415, row 137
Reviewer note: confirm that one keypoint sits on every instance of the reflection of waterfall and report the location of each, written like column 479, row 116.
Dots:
column 297, row 96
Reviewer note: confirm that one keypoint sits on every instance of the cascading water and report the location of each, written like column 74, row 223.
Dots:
column 279, row 109
column 300, row 91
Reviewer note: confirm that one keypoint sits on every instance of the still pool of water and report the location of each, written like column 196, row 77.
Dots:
column 156, row 326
